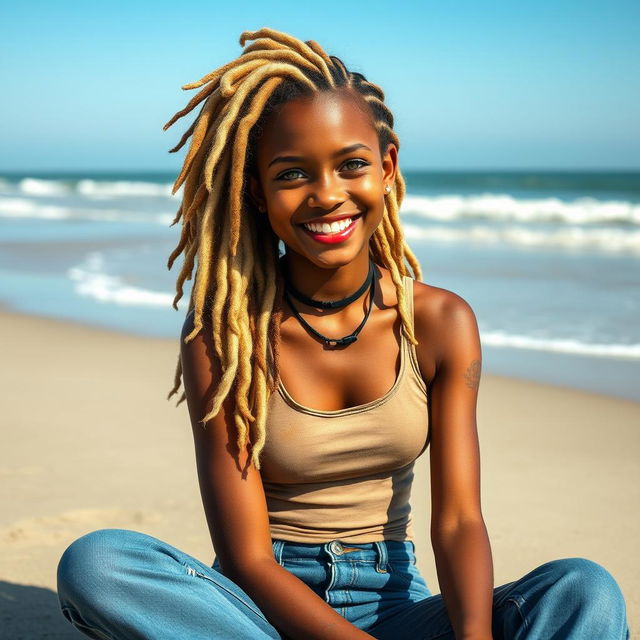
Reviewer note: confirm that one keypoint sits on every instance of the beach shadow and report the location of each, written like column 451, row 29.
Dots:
column 28, row 612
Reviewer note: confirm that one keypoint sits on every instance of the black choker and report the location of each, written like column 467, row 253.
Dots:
column 333, row 342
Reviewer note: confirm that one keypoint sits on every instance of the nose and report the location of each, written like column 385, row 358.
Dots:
column 326, row 193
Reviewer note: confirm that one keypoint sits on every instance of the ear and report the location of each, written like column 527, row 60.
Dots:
column 256, row 194
column 390, row 164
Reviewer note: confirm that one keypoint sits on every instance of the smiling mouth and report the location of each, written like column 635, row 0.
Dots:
column 335, row 228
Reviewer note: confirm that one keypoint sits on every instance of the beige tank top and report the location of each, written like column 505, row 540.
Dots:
column 347, row 474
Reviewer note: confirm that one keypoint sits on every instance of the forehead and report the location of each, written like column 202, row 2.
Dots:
column 323, row 121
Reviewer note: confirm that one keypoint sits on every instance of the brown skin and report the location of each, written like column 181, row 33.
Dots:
column 320, row 183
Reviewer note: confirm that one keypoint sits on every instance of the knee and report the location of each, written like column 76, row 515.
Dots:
column 586, row 583
column 89, row 564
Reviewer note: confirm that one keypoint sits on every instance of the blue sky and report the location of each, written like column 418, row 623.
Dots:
column 473, row 85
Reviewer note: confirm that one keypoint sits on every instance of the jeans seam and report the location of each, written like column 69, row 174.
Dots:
column 518, row 600
column 192, row 571
column 70, row 614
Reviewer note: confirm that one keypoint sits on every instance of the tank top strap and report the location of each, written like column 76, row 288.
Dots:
column 410, row 349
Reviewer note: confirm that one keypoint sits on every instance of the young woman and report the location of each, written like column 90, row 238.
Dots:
column 314, row 379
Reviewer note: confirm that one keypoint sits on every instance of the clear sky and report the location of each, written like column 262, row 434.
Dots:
column 473, row 85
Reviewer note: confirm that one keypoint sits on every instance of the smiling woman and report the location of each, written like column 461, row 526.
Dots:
column 308, row 415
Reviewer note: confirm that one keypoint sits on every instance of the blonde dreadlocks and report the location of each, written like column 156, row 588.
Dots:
column 237, row 292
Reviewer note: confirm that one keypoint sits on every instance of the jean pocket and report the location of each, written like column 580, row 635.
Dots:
column 316, row 575
column 403, row 573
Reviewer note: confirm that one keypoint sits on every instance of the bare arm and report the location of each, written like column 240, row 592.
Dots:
column 236, row 511
column 458, row 534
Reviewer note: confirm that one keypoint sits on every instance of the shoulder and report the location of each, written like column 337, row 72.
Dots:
column 445, row 323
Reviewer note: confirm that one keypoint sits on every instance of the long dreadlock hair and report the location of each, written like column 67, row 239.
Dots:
column 237, row 293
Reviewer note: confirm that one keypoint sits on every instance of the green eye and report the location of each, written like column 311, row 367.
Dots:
column 291, row 174
column 354, row 164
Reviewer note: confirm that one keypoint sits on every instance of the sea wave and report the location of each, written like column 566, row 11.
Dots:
column 27, row 208
column 609, row 239
column 559, row 345
column 121, row 188
column 500, row 207
column 94, row 189
column 506, row 208
column 92, row 281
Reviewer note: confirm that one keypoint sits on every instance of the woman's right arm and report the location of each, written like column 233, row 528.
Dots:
column 236, row 510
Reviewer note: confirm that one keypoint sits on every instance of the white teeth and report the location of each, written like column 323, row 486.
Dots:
column 325, row 227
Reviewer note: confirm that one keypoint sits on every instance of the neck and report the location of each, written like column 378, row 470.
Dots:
column 328, row 284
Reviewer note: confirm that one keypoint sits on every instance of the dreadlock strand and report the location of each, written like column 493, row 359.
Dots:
column 185, row 273
column 400, row 188
column 247, row 261
column 184, row 239
column 177, row 216
column 336, row 63
column 230, row 365
column 221, row 288
column 248, row 53
column 375, row 88
column 200, row 131
column 318, row 50
column 240, row 151
column 230, row 80
column 204, row 250
column 263, row 44
column 177, row 379
column 185, row 136
column 293, row 43
column 235, row 103
column 191, row 105
column 237, row 74
column 380, row 107
column 266, row 301
column 196, row 202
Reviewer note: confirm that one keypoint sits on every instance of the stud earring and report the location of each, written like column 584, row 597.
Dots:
column 387, row 188
column 261, row 208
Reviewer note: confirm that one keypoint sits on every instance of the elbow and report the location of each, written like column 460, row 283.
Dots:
column 443, row 530
column 240, row 569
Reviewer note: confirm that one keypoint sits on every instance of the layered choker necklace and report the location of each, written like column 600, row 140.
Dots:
column 370, row 282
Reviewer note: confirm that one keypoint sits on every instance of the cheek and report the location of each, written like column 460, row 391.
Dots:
column 370, row 191
column 282, row 207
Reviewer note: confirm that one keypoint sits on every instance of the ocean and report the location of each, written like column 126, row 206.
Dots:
column 549, row 261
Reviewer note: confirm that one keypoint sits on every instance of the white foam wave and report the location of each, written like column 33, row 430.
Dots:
column 92, row 281
column 602, row 239
column 95, row 189
column 122, row 188
column 558, row 345
column 37, row 187
column 22, row 208
column 503, row 207
column 25, row 208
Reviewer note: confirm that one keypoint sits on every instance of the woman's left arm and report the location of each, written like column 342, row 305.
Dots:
column 458, row 533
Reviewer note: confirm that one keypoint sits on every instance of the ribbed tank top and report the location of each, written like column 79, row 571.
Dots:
column 347, row 474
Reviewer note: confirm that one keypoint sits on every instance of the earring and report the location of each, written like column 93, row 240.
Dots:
column 387, row 188
column 261, row 208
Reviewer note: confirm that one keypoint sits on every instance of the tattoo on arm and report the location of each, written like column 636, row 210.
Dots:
column 472, row 375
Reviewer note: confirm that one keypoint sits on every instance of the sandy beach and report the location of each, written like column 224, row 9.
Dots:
column 89, row 441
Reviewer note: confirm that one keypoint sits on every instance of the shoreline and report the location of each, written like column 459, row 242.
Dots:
column 547, row 368
column 91, row 442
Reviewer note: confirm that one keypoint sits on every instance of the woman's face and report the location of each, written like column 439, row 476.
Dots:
column 319, row 160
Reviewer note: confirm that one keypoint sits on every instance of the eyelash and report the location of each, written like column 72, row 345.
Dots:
column 362, row 163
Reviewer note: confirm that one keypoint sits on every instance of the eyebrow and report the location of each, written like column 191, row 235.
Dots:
column 341, row 152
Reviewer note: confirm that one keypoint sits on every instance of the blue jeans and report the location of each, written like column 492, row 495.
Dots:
column 117, row 584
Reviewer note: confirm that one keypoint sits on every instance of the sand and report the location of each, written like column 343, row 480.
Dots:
column 89, row 440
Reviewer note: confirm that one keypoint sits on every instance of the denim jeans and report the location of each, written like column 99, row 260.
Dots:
column 121, row 584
